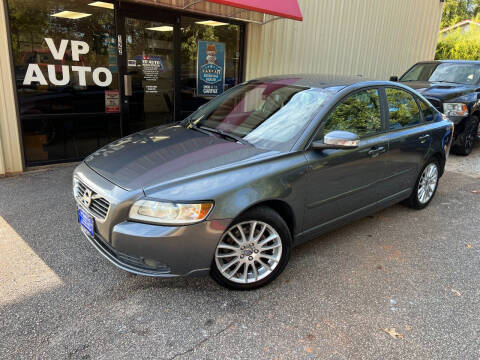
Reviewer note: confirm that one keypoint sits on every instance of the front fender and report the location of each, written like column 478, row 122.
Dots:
column 235, row 190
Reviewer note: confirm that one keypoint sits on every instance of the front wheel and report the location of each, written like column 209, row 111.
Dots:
column 426, row 186
column 467, row 137
column 253, row 251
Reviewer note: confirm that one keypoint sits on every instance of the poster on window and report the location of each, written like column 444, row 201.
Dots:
column 112, row 101
column 210, row 68
column 152, row 66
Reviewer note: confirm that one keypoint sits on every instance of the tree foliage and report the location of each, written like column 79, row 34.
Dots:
column 403, row 109
column 455, row 11
column 359, row 113
column 460, row 45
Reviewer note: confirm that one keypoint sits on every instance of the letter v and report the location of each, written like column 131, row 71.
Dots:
column 60, row 53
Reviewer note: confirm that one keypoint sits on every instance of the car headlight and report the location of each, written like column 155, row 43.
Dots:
column 169, row 213
column 455, row 109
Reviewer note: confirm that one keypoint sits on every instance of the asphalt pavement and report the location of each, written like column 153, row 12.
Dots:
column 400, row 284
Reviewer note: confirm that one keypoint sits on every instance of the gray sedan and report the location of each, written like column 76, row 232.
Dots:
column 269, row 164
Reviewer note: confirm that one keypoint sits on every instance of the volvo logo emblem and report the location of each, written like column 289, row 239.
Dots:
column 86, row 198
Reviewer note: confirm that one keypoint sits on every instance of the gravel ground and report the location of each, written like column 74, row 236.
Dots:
column 400, row 284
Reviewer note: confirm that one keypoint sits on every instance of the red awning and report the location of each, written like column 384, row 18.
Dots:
column 283, row 8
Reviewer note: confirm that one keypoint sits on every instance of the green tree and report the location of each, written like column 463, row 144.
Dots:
column 455, row 11
column 459, row 45
column 359, row 113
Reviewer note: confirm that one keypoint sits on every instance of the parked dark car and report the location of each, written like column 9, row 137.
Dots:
column 453, row 87
column 267, row 165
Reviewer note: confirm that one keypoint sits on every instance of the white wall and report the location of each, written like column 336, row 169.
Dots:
column 10, row 148
column 374, row 38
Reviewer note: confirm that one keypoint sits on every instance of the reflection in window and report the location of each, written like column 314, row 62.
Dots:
column 428, row 113
column 359, row 113
column 63, row 107
column 403, row 109
column 289, row 118
column 268, row 115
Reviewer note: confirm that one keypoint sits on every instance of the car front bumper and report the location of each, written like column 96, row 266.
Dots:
column 147, row 249
column 161, row 251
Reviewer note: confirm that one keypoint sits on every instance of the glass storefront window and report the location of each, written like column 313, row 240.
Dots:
column 64, row 55
column 69, row 69
column 192, row 31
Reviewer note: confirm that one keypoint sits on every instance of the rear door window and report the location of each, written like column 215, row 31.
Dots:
column 402, row 109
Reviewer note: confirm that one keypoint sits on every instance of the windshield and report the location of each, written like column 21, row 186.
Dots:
column 444, row 72
column 267, row 115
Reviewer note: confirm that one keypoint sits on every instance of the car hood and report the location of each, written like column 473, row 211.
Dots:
column 168, row 154
column 440, row 90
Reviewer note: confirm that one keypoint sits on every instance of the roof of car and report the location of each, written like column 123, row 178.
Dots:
column 450, row 61
column 321, row 81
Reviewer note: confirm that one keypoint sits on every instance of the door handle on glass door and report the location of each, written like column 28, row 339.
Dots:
column 127, row 85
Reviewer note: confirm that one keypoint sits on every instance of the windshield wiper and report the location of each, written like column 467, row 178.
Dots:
column 191, row 125
column 225, row 134
column 447, row 82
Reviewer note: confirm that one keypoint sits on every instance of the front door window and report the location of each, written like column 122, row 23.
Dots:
column 358, row 113
column 403, row 110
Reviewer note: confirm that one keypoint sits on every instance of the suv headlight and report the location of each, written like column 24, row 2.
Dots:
column 455, row 109
column 169, row 213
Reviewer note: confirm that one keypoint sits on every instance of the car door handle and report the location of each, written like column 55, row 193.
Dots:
column 423, row 139
column 375, row 151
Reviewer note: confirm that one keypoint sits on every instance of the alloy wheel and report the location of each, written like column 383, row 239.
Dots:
column 248, row 252
column 428, row 183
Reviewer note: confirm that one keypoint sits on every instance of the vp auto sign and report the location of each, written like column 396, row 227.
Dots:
column 101, row 76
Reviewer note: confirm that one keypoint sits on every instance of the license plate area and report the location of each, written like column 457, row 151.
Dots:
column 86, row 221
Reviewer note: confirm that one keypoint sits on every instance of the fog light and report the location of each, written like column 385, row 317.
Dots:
column 150, row 263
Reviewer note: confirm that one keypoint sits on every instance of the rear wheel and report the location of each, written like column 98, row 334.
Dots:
column 467, row 138
column 253, row 251
column 426, row 185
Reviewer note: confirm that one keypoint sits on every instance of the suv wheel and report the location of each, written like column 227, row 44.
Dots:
column 467, row 137
column 253, row 251
column 426, row 186
column 478, row 130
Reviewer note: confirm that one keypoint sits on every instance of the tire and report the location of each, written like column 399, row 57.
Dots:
column 236, row 253
column 467, row 138
column 428, row 180
column 478, row 130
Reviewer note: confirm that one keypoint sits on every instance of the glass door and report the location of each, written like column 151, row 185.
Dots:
column 149, row 84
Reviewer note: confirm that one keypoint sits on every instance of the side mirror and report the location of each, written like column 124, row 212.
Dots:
column 337, row 140
column 394, row 78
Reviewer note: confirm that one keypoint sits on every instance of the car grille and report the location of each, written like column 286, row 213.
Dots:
column 98, row 206
column 437, row 104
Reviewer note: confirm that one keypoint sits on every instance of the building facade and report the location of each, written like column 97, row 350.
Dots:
column 78, row 74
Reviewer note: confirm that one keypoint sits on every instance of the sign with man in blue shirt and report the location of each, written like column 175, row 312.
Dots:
column 210, row 68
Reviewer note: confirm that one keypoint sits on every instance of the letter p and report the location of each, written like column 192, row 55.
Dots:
column 79, row 48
